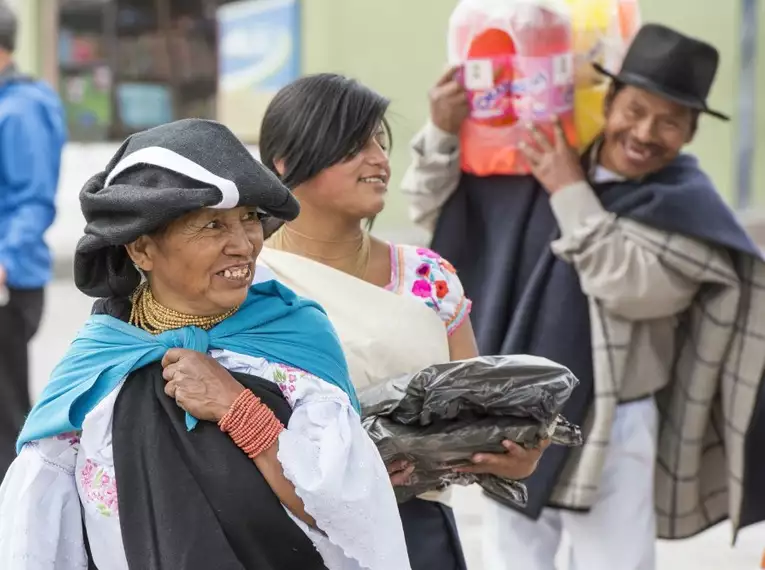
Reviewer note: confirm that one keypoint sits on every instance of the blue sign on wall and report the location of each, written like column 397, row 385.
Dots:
column 259, row 45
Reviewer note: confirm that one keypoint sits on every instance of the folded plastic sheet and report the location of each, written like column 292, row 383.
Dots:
column 438, row 418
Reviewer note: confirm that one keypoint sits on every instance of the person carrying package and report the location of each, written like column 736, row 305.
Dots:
column 623, row 264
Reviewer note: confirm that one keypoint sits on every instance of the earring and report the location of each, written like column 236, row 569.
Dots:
column 141, row 271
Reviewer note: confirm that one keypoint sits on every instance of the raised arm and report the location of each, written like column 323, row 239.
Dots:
column 434, row 173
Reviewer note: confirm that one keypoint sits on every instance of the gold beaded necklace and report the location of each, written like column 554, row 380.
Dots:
column 154, row 318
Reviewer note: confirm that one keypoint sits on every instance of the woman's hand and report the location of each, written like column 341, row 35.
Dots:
column 516, row 464
column 199, row 384
column 400, row 473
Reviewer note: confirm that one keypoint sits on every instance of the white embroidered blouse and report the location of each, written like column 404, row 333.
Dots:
column 422, row 273
column 58, row 484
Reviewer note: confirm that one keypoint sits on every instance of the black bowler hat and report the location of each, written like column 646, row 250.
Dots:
column 156, row 177
column 670, row 64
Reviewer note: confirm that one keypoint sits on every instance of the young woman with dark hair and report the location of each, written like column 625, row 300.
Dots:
column 396, row 308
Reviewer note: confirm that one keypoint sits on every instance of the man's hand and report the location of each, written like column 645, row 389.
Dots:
column 448, row 103
column 555, row 164
column 3, row 276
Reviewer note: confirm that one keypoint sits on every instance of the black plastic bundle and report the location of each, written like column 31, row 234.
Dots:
column 438, row 418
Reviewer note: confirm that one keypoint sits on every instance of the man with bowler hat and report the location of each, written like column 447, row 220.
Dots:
column 625, row 265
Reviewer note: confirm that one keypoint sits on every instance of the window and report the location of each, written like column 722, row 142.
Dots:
column 126, row 65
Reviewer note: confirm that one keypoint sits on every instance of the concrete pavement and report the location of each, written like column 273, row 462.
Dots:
column 66, row 309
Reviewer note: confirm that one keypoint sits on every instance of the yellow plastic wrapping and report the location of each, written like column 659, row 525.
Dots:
column 602, row 30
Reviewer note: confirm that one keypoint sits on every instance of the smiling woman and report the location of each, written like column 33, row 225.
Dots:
column 397, row 308
column 202, row 263
column 202, row 398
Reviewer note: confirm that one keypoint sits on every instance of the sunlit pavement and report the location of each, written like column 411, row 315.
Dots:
column 66, row 309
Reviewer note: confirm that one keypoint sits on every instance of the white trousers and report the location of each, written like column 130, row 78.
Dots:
column 619, row 532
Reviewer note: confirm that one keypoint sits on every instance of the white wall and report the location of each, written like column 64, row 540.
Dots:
column 80, row 162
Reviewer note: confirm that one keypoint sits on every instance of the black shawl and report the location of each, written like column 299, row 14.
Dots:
column 497, row 232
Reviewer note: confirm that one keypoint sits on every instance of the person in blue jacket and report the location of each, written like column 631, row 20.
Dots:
column 32, row 136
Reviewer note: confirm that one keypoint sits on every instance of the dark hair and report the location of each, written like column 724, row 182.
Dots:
column 318, row 121
column 8, row 27
column 617, row 86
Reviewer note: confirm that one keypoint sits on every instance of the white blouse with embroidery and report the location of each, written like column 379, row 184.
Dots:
column 57, row 484
column 422, row 273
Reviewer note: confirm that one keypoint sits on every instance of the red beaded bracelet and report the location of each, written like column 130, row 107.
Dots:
column 251, row 424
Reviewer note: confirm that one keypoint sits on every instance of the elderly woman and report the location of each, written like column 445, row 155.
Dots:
column 203, row 417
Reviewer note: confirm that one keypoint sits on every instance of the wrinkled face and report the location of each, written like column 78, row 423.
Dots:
column 354, row 188
column 644, row 132
column 203, row 263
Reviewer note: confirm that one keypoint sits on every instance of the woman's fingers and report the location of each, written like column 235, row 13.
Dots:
column 169, row 372
column 517, row 463
column 172, row 356
column 398, row 465
column 170, row 388
column 402, row 478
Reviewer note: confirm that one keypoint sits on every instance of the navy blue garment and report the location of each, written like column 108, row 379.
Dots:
column 497, row 232
column 432, row 540
column 32, row 136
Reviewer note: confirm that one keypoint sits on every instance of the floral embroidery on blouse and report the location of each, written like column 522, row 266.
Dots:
column 72, row 438
column 100, row 488
column 423, row 273
column 286, row 377
column 448, row 266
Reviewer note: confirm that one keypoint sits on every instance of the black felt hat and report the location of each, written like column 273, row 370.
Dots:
column 668, row 63
column 156, row 177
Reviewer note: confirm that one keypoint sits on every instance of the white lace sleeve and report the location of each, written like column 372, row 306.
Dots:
column 336, row 470
column 40, row 520
column 338, row 473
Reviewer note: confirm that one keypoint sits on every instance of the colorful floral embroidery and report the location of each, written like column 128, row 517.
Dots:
column 442, row 289
column 447, row 266
column 286, row 378
column 426, row 275
column 72, row 438
column 100, row 488
column 424, row 252
column 422, row 288
column 423, row 270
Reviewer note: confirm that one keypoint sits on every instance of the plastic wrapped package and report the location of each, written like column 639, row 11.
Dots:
column 602, row 31
column 528, row 61
column 517, row 67
column 438, row 418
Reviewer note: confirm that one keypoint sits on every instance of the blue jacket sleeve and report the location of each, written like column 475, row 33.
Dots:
column 29, row 181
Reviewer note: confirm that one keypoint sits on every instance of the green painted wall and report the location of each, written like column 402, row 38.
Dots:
column 28, row 44
column 398, row 48
column 759, row 184
column 718, row 24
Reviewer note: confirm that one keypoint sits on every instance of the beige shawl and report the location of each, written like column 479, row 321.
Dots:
column 709, row 391
column 384, row 335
